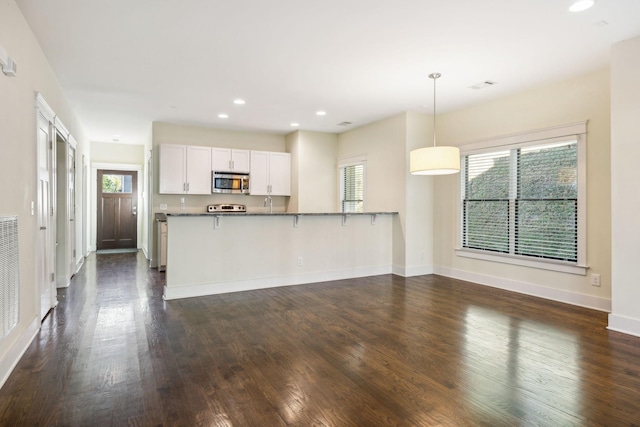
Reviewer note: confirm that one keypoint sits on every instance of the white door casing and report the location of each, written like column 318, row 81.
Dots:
column 45, row 253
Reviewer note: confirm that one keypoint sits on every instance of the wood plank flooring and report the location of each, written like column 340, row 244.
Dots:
column 378, row 351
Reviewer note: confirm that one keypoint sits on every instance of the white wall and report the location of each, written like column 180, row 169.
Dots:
column 578, row 99
column 18, row 162
column 390, row 187
column 314, row 172
column 105, row 152
column 625, row 205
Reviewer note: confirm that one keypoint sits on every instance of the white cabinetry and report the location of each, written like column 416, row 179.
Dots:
column 185, row 169
column 270, row 174
column 227, row 160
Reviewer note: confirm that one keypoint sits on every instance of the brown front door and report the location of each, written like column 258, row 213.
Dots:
column 117, row 209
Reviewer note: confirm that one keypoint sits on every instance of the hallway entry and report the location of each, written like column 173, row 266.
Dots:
column 117, row 209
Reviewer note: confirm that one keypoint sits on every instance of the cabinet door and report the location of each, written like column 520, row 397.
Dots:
column 198, row 170
column 280, row 174
column 241, row 160
column 221, row 159
column 259, row 181
column 172, row 169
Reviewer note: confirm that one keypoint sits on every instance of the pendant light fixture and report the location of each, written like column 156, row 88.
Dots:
column 434, row 160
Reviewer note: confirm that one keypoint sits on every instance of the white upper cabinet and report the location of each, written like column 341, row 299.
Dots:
column 228, row 160
column 172, row 169
column 198, row 170
column 184, row 169
column 270, row 174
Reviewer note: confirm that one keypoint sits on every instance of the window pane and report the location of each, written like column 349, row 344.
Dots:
column 547, row 228
column 487, row 176
column 353, row 188
column 486, row 225
column 117, row 183
column 548, row 172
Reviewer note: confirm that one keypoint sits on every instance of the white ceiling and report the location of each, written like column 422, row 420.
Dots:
column 126, row 63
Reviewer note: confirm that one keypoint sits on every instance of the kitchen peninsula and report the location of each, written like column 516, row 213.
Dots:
column 229, row 252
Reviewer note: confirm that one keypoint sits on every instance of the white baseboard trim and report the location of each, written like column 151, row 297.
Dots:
column 626, row 325
column 421, row 270
column 144, row 251
column 79, row 265
column 11, row 359
column 582, row 300
column 176, row 292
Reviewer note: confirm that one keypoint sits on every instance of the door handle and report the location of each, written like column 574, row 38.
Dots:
column 134, row 211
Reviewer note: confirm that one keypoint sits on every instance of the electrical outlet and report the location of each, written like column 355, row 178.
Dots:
column 595, row 279
column 300, row 261
column 163, row 206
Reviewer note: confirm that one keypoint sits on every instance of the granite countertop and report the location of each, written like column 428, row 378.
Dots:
column 158, row 215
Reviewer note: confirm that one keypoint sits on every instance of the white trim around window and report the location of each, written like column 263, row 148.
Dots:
column 575, row 131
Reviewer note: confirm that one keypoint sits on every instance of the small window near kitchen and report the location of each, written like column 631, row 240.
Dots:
column 352, row 181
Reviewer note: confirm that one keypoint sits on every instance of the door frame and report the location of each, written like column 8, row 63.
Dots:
column 94, row 204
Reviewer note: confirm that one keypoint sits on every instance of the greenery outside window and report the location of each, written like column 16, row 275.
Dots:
column 525, row 201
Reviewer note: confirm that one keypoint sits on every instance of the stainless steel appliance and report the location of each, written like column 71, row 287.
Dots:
column 226, row 207
column 229, row 182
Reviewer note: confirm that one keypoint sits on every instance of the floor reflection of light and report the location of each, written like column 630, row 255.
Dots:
column 517, row 365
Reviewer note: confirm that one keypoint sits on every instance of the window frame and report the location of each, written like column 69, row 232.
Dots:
column 352, row 161
column 562, row 133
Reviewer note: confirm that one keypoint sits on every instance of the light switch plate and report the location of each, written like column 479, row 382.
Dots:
column 163, row 206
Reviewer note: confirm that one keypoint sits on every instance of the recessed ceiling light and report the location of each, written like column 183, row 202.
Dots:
column 239, row 101
column 116, row 138
column 580, row 5
column 223, row 116
column 321, row 113
column 295, row 125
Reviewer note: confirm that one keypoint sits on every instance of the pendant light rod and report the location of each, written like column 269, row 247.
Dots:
column 434, row 76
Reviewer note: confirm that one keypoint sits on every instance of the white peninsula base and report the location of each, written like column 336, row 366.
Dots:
column 212, row 254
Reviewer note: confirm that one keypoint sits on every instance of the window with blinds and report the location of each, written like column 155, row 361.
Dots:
column 352, row 188
column 522, row 201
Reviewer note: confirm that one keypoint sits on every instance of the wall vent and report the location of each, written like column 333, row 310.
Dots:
column 9, row 274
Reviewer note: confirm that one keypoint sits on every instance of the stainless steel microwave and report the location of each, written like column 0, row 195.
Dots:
column 229, row 182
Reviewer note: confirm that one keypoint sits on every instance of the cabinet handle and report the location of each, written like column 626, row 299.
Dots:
column 187, row 186
column 230, row 165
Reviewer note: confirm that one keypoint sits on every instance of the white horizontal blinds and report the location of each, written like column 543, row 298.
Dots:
column 486, row 201
column 546, row 222
column 523, row 201
column 353, row 188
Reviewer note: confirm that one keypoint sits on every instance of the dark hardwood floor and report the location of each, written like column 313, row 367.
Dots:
column 379, row 351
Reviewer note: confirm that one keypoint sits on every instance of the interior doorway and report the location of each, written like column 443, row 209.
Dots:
column 117, row 203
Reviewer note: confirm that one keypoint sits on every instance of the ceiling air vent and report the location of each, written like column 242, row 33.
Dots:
column 483, row 84
column 345, row 124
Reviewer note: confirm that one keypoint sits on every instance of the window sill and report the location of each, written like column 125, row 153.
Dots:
column 559, row 266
